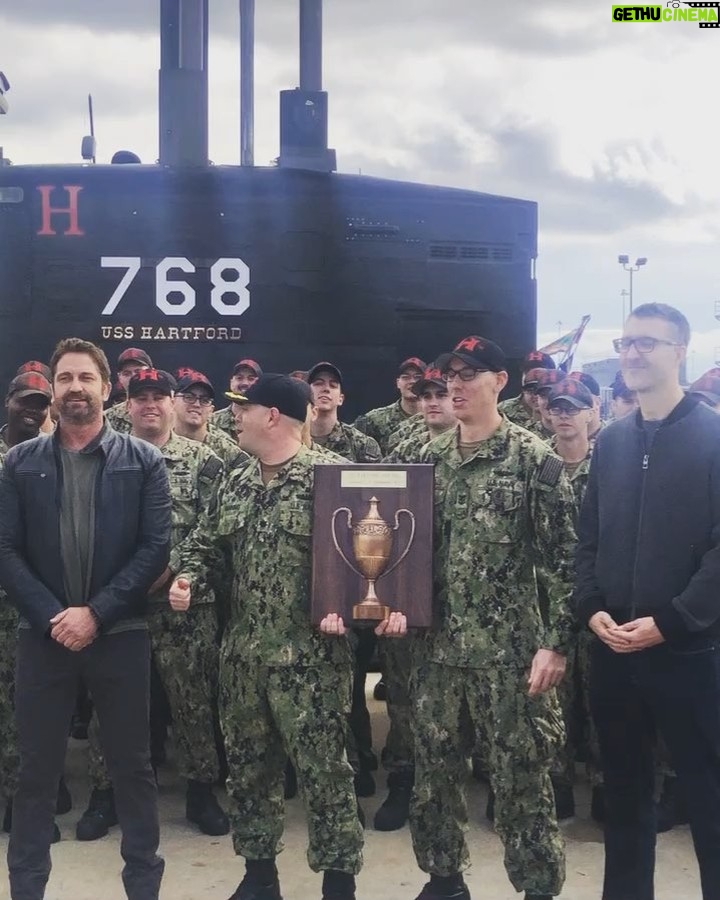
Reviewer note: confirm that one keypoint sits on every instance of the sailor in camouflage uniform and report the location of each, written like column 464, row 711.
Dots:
column 522, row 410
column 130, row 362
column 184, row 645
column 244, row 373
column 396, row 656
column 410, row 428
column 382, row 422
column 503, row 518
column 284, row 687
column 193, row 407
column 570, row 406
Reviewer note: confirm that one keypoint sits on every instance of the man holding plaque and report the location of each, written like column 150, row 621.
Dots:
column 284, row 687
column 503, row 522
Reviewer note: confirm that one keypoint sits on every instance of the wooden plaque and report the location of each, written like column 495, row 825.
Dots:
column 372, row 543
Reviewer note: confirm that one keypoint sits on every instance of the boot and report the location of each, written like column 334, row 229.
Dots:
column 597, row 804
column 380, row 690
column 7, row 824
column 364, row 783
column 203, row 810
column 445, row 887
column 338, row 886
column 64, row 800
column 99, row 817
column 291, row 785
column 394, row 812
column 564, row 801
column 670, row 808
column 490, row 806
column 260, row 881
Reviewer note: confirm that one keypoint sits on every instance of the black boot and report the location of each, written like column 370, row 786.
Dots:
column 64, row 800
column 203, row 810
column 393, row 814
column 338, row 886
column 597, row 804
column 260, row 881
column 490, row 806
column 99, row 817
column 380, row 691
column 670, row 809
column 291, row 785
column 364, row 783
column 564, row 801
column 445, row 887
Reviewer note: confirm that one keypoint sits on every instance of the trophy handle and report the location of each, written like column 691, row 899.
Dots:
column 409, row 543
column 335, row 540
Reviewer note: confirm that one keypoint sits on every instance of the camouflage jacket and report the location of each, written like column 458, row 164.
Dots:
column 409, row 450
column 380, row 423
column 117, row 417
column 517, row 412
column 578, row 476
column 404, row 431
column 225, row 421
column 227, row 449
column 503, row 518
column 195, row 474
column 352, row 444
column 9, row 616
column 330, row 455
column 265, row 532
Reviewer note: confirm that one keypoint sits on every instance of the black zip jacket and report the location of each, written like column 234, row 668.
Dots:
column 132, row 528
column 649, row 530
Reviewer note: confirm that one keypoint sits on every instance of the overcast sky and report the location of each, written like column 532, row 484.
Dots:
column 610, row 127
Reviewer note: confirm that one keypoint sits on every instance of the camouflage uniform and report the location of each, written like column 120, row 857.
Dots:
column 408, row 427
column 503, row 518
column 225, row 421
column 352, row 444
column 185, row 644
column 284, row 687
column 517, row 412
column 117, row 418
column 380, row 423
column 228, row 450
column 9, row 760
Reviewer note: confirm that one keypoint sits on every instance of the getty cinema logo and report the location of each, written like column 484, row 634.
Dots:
column 707, row 15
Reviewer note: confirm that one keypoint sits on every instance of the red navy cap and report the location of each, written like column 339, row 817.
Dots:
column 33, row 365
column 248, row 364
column 573, row 391
column 193, row 377
column 431, row 376
column 478, row 352
column 30, row 383
column 412, row 362
column 134, row 354
column 152, row 380
column 536, row 359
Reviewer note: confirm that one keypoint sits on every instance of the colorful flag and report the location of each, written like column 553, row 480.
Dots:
column 567, row 344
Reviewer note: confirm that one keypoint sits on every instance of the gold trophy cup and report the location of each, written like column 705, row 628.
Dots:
column 372, row 547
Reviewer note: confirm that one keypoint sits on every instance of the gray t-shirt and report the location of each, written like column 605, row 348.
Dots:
column 77, row 522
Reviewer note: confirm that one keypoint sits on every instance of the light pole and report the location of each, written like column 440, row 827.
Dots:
column 623, row 294
column 624, row 261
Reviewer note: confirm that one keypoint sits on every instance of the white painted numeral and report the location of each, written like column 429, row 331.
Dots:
column 163, row 287
column 237, row 287
column 132, row 264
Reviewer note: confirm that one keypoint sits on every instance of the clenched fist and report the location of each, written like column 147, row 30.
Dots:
column 179, row 594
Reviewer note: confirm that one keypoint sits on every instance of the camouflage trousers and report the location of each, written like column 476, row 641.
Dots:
column 580, row 732
column 396, row 657
column 185, row 653
column 9, row 760
column 268, row 714
column 451, row 705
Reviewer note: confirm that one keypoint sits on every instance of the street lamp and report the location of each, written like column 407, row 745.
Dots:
column 624, row 261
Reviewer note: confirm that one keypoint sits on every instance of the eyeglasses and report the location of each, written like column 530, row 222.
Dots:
column 564, row 410
column 190, row 399
column 641, row 344
column 465, row 374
